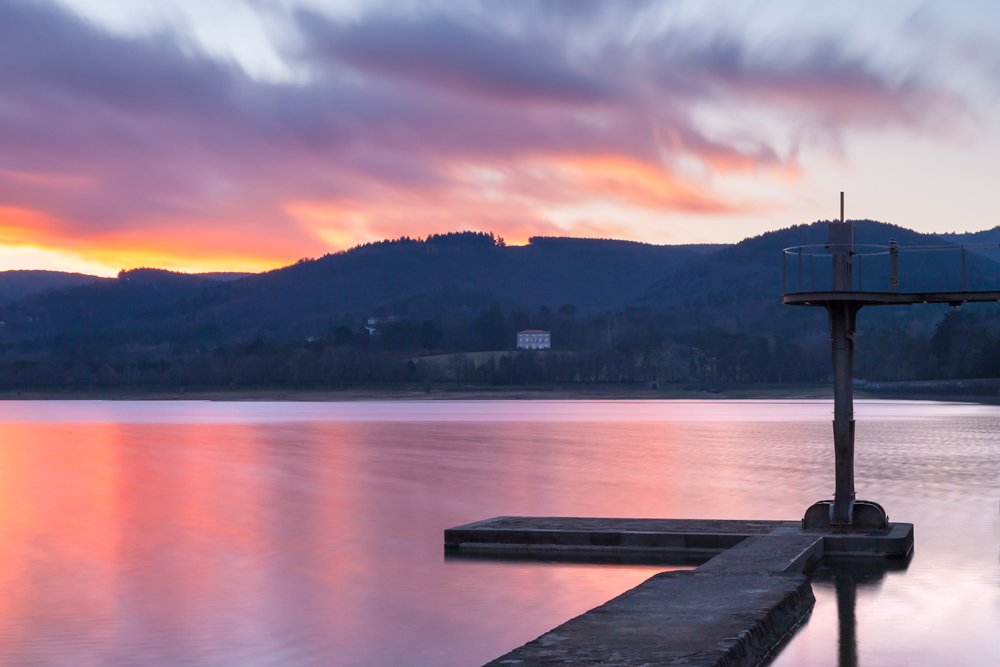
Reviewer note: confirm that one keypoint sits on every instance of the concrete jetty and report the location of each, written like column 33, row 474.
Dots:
column 733, row 610
column 692, row 539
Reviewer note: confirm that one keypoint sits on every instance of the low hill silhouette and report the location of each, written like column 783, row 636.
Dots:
column 454, row 276
column 18, row 284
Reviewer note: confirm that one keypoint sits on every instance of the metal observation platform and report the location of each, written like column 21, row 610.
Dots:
column 845, row 513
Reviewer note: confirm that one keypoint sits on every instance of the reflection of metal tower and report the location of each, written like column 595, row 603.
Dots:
column 842, row 302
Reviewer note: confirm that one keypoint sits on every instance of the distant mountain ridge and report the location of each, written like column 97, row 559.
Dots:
column 985, row 236
column 223, row 276
column 455, row 276
column 19, row 283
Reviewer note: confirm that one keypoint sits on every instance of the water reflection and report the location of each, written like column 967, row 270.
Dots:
column 847, row 643
column 214, row 534
column 846, row 577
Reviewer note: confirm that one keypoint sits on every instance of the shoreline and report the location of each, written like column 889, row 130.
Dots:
column 420, row 393
column 467, row 393
column 451, row 392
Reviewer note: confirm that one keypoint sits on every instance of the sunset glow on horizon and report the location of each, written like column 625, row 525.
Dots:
column 230, row 135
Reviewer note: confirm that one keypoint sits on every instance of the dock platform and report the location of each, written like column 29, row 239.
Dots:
column 671, row 539
column 747, row 596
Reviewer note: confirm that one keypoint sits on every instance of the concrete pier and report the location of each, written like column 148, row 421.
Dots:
column 677, row 618
column 670, row 539
column 748, row 595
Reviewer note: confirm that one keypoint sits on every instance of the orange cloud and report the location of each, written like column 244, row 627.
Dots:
column 24, row 226
column 516, row 200
column 192, row 248
column 638, row 183
column 511, row 201
column 186, row 245
column 344, row 223
column 341, row 224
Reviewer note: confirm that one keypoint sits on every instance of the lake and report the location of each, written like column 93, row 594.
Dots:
column 243, row 533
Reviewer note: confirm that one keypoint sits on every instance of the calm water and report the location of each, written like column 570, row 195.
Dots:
column 189, row 533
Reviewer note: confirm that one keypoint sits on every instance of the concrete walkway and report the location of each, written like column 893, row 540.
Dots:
column 731, row 611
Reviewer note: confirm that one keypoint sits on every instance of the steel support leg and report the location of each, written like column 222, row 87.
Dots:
column 842, row 319
column 844, row 513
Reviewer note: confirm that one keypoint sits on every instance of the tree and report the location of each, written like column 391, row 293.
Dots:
column 431, row 335
column 492, row 329
column 519, row 321
column 569, row 310
column 343, row 336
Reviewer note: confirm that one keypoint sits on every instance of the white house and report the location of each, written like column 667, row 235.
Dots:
column 534, row 339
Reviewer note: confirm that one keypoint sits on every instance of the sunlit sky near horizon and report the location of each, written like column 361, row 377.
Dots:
column 210, row 135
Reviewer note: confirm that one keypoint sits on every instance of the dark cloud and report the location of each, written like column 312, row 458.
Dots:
column 825, row 85
column 443, row 52
column 45, row 51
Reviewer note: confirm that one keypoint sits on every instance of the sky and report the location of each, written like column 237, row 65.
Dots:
column 214, row 135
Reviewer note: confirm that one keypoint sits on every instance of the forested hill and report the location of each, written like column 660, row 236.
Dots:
column 980, row 242
column 447, row 276
column 456, row 275
column 453, row 277
column 18, row 284
column 990, row 236
column 627, row 310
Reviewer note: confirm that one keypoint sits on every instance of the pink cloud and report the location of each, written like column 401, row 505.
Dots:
column 407, row 127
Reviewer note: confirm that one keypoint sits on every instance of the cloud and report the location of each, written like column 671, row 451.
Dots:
column 431, row 120
column 826, row 86
column 442, row 52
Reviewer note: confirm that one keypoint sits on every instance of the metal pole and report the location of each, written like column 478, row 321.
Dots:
column 784, row 275
column 841, row 206
column 800, row 268
column 812, row 282
column 893, row 266
column 860, row 288
column 842, row 318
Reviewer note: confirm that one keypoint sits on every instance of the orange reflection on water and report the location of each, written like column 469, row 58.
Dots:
column 59, row 517
column 215, row 543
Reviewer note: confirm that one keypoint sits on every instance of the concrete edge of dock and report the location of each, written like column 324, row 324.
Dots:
column 549, row 537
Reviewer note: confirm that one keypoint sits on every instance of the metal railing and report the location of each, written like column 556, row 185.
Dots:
column 875, row 268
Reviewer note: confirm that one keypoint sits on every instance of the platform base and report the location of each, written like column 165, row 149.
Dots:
column 866, row 516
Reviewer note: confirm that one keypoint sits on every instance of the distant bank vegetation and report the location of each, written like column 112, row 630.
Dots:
column 627, row 347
